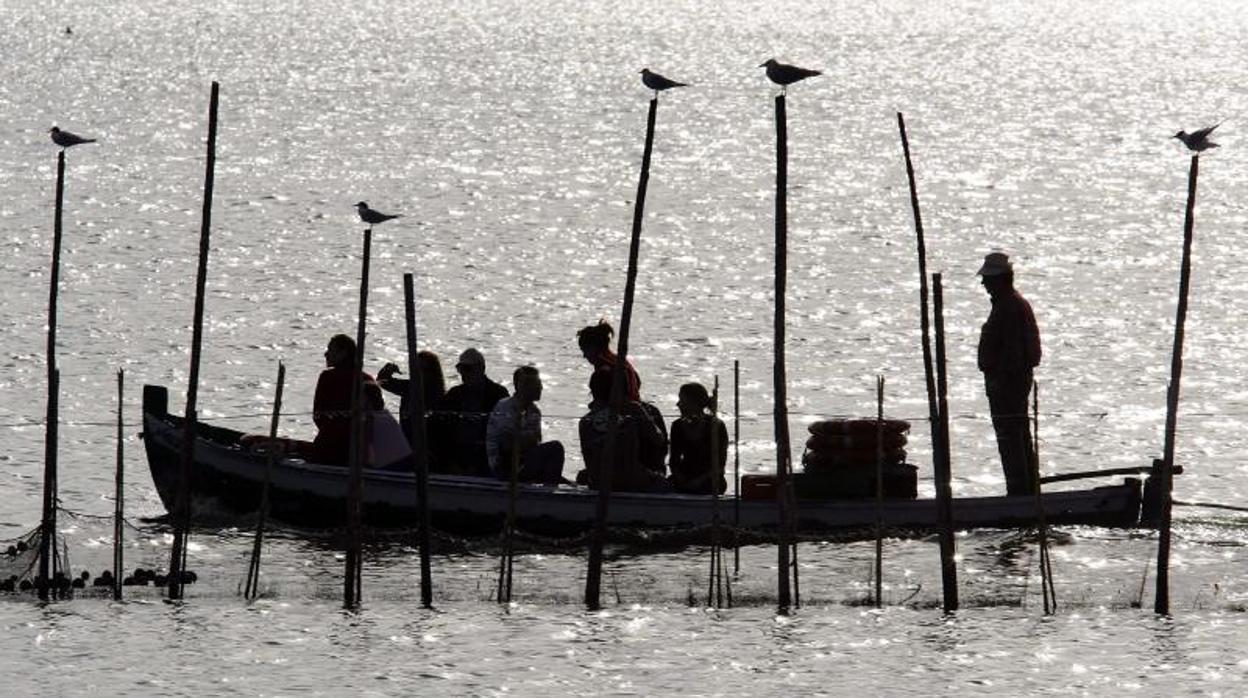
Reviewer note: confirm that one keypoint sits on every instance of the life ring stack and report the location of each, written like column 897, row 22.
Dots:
column 842, row 454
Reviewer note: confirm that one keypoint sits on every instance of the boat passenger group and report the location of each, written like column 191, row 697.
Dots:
column 478, row 428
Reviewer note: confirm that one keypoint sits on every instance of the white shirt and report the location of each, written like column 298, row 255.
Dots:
column 500, row 430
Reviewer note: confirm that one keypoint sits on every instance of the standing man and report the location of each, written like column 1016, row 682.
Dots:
column 467, row 406
column 540, row 461
column 1009, row 350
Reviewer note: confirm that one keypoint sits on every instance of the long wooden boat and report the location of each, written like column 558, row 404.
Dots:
column 227, row 479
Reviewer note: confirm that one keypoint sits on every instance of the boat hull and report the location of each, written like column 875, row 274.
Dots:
column 228, row 479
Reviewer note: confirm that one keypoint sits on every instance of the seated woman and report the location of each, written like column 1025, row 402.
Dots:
column 388, row 448
column 699, row 444
column 437, row 424
column 595, row 344
column 331, row 406
column 637, row 434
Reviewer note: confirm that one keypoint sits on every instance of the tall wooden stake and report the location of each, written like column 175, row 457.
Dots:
column 252, row 586
column 419, row 440
column 1165, row 482
column 506, row 562
column 182, row 515
column 47, row 527
column 879, row 491
column 928, row 374
column 944, row 492
column 736, row 465
column 359, row 443
column 119, row 492
column 715, row 583
column 593, row 576
column 781, row 411
column 1042, row 524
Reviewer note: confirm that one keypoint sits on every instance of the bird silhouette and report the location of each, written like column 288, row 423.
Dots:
column 372, row 217
column 784, row 74
column 1198, row 141
column 657, row 82
column 65, row 139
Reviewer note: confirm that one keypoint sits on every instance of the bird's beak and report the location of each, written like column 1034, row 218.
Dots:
column 762, row 65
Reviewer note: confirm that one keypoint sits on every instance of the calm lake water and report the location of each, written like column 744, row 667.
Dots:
column 509, row 134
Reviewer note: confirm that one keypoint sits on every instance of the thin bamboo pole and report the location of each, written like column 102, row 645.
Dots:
column 1161, row 602
column 1042, row 525
column 736, row 468
column 781, row 412
column 879, row 491
column 119, row 491
column 506, row 562
column 943, row 469
column 715, row 581
column 252, row 586
column 593, row 576
column 419, row 439
column 352, row 577
column 47, row 532
column 182, row 513
column 924, row 326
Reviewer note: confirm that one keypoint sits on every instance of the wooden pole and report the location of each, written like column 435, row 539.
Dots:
column 925, row 335
column 47, row 532
column 252, row 586
column 1042, row 525
column 419, row 440
column 359, row 443
column 781, row 412
column 942, row 467
column 715, row 583
column 879, row 491
column 1161, row 603
column 736, row 467
column 119, row 492
column 506, row 562
column 182, row 515
column 593, row 576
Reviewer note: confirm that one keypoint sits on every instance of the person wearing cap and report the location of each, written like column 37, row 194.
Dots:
column 1009, row 351
column 467, row 408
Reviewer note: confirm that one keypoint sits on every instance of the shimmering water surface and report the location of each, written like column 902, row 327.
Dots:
column 509, row 134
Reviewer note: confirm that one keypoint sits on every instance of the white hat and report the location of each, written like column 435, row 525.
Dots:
column 995, row 264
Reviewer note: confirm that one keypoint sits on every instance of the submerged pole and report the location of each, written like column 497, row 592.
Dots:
column 942, row 467
column 781, row 412
column 715, row 584
column 252, row 586
column 1165, row 482
column 924, row 332
column 506, row 561
column 119, row 492
column 182, row 513
column 593, row 576
column 47, row 526
column 359, row 442
column 419, row 440
column 879, row 491
column 1042, row 524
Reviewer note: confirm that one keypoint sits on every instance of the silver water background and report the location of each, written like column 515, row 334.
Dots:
column 509, row 134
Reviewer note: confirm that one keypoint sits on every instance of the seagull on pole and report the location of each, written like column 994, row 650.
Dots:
column 657, row 82
column 1198, row 141
column 372, row 217
column 65, row 139
column 784, row 74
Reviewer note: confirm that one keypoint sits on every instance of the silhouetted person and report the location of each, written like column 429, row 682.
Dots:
column 331, row 406
column 784, row 74
column 695, row 459
column 388, row 447
column 1009, row 350
column 467, row 408
column 635, row 433
column 434, row 384
column 595, row 344
column 539, row 461
column 1198, row 141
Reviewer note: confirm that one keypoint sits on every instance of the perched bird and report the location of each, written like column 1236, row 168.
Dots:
column 1198, row 141
column 784, row 75
column 65, row 139
column 372, row 217
column 657, row 82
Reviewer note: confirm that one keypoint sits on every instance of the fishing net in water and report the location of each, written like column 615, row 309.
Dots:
column 19, row 560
